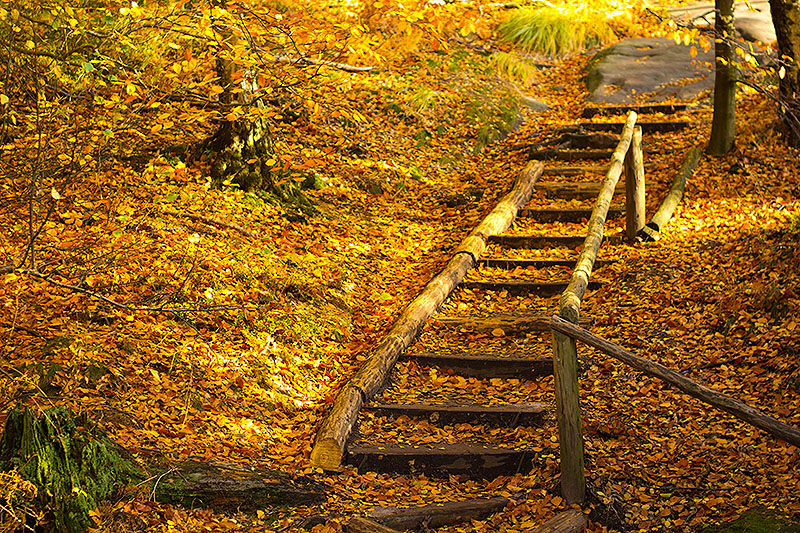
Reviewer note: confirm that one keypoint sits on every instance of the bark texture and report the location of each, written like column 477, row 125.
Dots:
column 786, row 19
column 723, row 126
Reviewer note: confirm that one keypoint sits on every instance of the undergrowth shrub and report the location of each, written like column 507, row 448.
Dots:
column 556, row 30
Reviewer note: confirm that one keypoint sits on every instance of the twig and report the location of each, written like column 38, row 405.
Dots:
column 130, row 308
column 213, row 222
column 312, row 61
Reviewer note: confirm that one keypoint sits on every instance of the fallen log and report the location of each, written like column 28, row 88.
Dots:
column 331, row 440
column 438, row 514
column 716, row 399
column 673, row 198
column 360, row 524
column 571, row 521
column 228, row 487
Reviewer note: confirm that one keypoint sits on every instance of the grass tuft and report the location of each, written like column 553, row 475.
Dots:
column 513, row 67
column 556, row 30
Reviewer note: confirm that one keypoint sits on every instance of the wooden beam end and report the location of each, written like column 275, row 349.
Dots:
column 327, row 455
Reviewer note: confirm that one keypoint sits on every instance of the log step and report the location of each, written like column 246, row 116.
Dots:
column 566, row 215
column 573, row 171
column 647, row 127
column 508, row 323
column 478, row 462
column 509, row 415
column 576, row 190
column 569, row 521
column 437, row 515
column 569, row 155
column 667, row 109
column 523, row 288
column 534, row 263
column 485, row 366
column 535, row 242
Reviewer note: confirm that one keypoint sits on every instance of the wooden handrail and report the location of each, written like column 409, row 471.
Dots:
column 331, row 439
column 742, row 411
column 565, row 354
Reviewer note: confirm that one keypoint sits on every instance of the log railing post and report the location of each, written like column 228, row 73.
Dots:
column 568, row 409
column 565, row 353
column 634, row 187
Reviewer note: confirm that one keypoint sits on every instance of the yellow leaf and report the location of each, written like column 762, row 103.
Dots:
column 231, row 117
column 781, row 75
column 54, row 194
column 4, row 98
column 176, row 67
column 693, row 51
column 270, row 162
column 497, row 332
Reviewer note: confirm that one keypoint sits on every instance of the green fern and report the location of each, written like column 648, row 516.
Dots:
column 556, row 30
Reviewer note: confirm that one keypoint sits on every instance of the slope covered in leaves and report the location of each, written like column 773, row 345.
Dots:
column 235, row 319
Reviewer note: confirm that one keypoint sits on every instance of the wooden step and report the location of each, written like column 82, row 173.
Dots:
column 535, row 242
column 647, row 127
column 569, row 155
column 508, row 323
column 509, row 415
column 574, row 171
column 566, row 215
column 478, row 462
column 579, row 190
column 643, row 109
column 511, row 263
column 523, row 288
column 485, row 366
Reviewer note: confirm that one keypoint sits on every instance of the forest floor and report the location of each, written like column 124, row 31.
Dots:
column 407, row 160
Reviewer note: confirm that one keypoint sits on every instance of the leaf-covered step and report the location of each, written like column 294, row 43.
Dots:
column 579, row 190
column 479, row 462
column 569, row 155
column 514, row 287
column 647, row 127
column 508, row 323
column 511, row 263
column 534, row 242
column 574, row 171
column 485, row 366
column 509, row 415
column 643, row 109
column 566, row 215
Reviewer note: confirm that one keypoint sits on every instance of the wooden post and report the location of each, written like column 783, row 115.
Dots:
column 634, row 187
column 565, row 354
column 570, row 431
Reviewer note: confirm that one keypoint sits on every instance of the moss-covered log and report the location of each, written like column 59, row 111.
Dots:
column 70, row 460
column 231, row 488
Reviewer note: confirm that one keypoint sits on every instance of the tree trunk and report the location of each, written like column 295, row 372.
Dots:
column 786, row 19
column 243, row 146
column 723, row 127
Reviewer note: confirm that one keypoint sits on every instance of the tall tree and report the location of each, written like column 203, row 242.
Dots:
column 786, row 19
column 723, row 127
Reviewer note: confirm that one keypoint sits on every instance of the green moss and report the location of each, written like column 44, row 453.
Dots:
column 756, row 521
column 73, row 464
